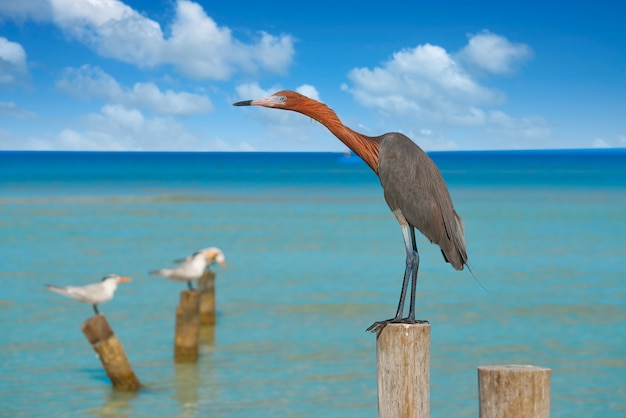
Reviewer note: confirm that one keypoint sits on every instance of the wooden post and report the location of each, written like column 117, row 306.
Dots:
column 111, row 353
column 206, row 288
column 187, row 327
column 514, row 391
column 403, row 360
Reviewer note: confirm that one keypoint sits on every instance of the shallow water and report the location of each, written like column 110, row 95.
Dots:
column 314, row 257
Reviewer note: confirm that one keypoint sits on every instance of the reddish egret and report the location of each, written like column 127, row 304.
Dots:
column 192, row 267
column 95, row 293
column 413, row 188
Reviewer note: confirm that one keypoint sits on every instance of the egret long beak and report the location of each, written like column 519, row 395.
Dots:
column 125, row 279
column 271, row 101
column 223, row 263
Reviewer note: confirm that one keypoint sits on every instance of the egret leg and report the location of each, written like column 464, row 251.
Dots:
column 405, row 285
column 95, row 309
column 410, row 272
column 189, row 285
column 411, row 317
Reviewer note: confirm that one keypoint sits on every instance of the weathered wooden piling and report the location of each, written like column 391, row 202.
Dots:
column 403, row 361
column 514, row 391
column 111, row 353
column 187, row 327
column 206, row 288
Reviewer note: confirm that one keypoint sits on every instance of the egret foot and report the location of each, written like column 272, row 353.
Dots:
column 414, row 321
column 379, row 325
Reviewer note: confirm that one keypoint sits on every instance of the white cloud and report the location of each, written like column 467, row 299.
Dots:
column 92, row 12
column 432, row 141
column 250, row 91
column 620, row 142
column 424, row 83
column 168, row 102
column 273, row 53
column 88, row 81
column 111, row 28
column 196, row 46
column 120, row 128
column 309, row 91
column 427, row 88
column 12, row 61
column 494, row 53
column 9, row 141
column 529, row 128
column 13, row 110
column 117, row 127
column 599, row 143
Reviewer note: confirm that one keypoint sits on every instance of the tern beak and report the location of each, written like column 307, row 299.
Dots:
column 125, row 279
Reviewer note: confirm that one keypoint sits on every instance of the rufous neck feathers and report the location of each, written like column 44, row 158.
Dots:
column 364, row 146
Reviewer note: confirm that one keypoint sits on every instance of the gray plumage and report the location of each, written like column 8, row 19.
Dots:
column 414, row 188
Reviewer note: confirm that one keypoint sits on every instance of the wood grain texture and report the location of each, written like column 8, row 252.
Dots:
column 111, row 353
column 514, row 391
column 187, row 327
column 403, row 360
column 206, row 288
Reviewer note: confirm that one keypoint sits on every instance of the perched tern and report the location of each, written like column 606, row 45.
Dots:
column 95, row 293
column 192, row 267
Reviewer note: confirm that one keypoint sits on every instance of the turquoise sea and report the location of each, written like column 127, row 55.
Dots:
column 314, row 257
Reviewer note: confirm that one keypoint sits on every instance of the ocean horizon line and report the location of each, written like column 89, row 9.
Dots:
column 555, row 151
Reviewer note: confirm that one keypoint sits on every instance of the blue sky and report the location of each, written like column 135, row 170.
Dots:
column 162, row 74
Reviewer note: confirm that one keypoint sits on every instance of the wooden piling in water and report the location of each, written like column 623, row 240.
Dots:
column 187, row 327
column 403, row 368
column 514, row 391
column 111, row 353
column 206, row 288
